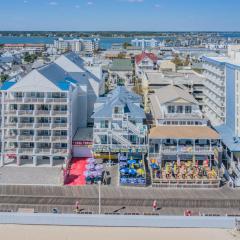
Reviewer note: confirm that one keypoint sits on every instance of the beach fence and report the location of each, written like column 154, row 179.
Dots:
column 119, row 220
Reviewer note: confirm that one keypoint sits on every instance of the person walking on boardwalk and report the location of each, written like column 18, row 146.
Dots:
column 154, row 205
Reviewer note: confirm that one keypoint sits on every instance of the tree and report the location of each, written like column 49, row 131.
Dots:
column 187, row 61
column 3, row 78
column 126, row 45
column 177, row 60
column 30, row 58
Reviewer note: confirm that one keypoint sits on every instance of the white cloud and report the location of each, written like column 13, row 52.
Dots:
column 135, row 1
column 157, row 5
column 25, row 1
column 53, row 3
column 77, row 6
column 89, row 3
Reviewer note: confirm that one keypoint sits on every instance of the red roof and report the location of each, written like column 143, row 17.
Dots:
column 143, row 55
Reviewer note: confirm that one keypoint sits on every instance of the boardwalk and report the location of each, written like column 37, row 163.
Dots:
column 120, row 196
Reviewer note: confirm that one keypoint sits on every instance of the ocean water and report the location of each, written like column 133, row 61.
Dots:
column 105, row 43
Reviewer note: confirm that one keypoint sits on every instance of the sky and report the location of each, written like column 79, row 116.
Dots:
column 120, row 15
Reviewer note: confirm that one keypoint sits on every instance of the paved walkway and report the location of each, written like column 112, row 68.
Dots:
column 13, row 175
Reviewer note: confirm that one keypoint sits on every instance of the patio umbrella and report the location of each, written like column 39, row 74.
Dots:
column 122, row 158
column 91, row 160
column 90, row 166
column 140, row 171
column 98, row 167
column 124, row 170
column 94, row 173
column 154, row 166
column 132, row 161
column 132, row 171
column 87, row 173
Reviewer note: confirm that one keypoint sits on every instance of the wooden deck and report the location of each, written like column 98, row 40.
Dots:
column 121, row 196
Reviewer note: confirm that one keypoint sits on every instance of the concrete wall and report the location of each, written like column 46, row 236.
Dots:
column 118, row 221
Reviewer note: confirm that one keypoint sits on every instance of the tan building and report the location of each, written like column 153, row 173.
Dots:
column 167, row 66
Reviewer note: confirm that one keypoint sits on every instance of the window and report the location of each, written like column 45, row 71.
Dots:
column 179, row 109
column 104, row 124
column 171, row 109
column 117, row 110
column 188, row 109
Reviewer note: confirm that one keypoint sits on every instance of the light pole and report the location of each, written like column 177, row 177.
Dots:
column 99, row 197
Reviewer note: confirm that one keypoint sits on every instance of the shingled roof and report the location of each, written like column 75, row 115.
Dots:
column 139, row 58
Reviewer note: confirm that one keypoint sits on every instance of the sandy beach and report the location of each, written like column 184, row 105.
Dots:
column 29, row 232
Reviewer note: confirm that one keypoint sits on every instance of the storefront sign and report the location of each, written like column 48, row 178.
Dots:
column 82, row 143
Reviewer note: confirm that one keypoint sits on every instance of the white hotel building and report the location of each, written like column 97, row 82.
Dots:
column 222, row 104
column 42, row 112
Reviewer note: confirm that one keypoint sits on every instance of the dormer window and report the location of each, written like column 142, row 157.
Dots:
column 117, row 110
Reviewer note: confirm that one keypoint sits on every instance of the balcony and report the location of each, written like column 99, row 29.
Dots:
column 10, row 112
column 25, row 112
column 56, row 100
column 117, row 116
column 10, row 138
column 14, row 100
column 59, row 113
column 59, row 126
column 42, row 112
column 42, row 138
column 43, row 125
column 43, row 151
column 26, row 125
column 10, row 150
column 60, row 139
column 60, row 151
column 26, row 151
column 193, row 115
column 11, row 125
column 25, row 138
column 185, row 149
column 33, row 100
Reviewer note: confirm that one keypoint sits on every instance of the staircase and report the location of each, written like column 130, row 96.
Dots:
column 133, row 128
column 119, row 138
column 237, row 172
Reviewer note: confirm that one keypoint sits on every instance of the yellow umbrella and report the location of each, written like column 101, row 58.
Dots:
column 140, row 171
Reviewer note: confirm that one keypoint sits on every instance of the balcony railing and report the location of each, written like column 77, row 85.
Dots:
column 182, row 149
column 117, row 116
column 43, row 125
column 11, row 112
column 10, row 150
column 33, row 100
column 59, row 125
column 13, row 100
column 59, row 138
column 56, row 100
column 25, row 112
column 26, row 151
column 60, row 151
column 42, row 112
column 193, row 115
column 57, row 113
column 25, row 138
column 26, row 125
column 10, row 125
column 43, row 151
column 43, row 138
